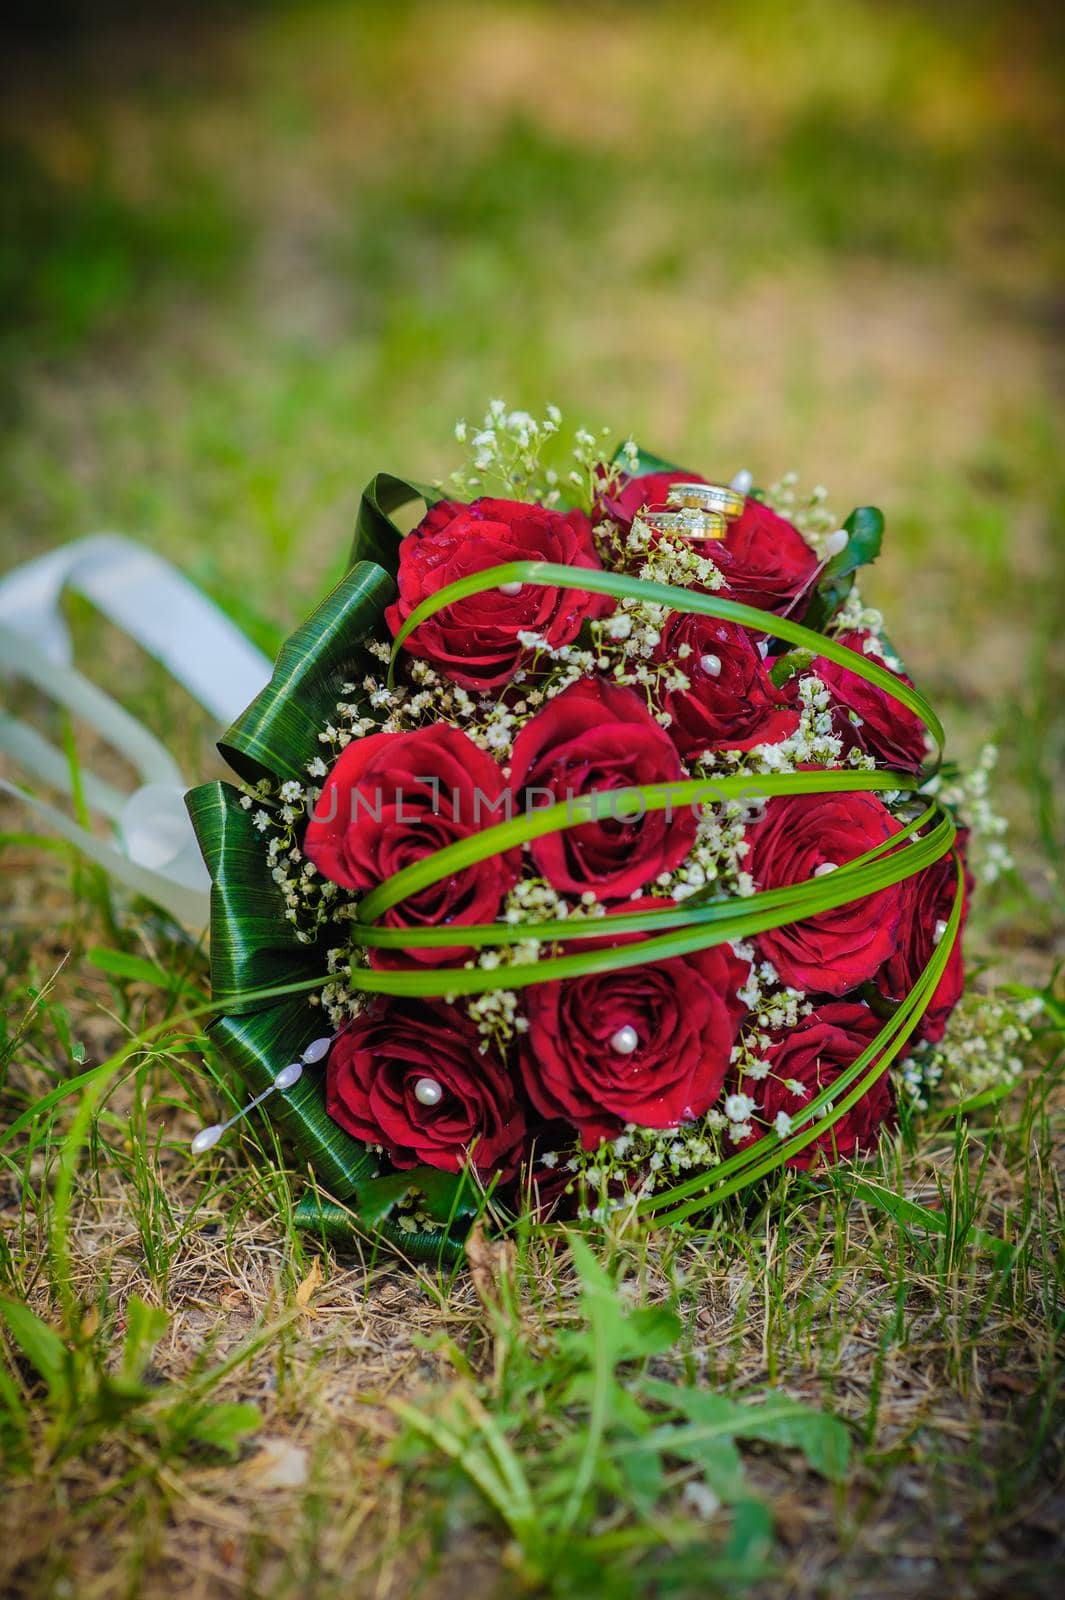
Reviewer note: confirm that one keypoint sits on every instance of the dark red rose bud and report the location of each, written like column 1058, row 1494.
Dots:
column 475, row 641
column 732, row 703
column 813, row 1054
column 597, row 735
column 648, row 1044
column 802, row 836
column 393, row 798
column 869, row 719
column 923, row 924
column 413, row 1076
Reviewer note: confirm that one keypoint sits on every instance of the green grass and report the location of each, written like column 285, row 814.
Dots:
column 608, row 1418
column 237, row 278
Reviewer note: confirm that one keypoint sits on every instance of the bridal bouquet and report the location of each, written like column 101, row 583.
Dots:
column 588, row 851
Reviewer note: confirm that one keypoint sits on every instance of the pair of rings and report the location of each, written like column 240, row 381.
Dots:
column 696, row 511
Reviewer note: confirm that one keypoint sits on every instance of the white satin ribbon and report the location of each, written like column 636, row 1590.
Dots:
column 148, row 599
column 153, row 851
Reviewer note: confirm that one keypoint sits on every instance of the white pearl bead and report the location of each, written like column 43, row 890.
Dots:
column 625, row 1041
column 206, row 1139
column 428, row 1092
column 289, row 1075
column 825, row 868
column 711, row 665
column 743, row 482
column 837, row 542
column 938, row 932
column 510, row 588
column 315, row 1052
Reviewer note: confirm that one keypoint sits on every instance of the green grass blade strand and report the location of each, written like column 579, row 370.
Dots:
column 912, row 1006
column 919, row 854
column 138, row 1041
column 710, row 1188
column 911, row 1214
column 465, row 980
column 504, row 836
column 749, row 1158
column 621, row 587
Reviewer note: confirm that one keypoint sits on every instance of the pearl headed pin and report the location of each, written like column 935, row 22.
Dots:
column 625, row 1041
column 287, row 1078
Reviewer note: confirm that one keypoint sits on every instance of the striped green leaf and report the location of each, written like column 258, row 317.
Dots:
column 259, row 1046
column 346, row 1227
column 377, row 535
column 278, row 734
column 253, row 945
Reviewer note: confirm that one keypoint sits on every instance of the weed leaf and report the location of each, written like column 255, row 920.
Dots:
column 40, row 1344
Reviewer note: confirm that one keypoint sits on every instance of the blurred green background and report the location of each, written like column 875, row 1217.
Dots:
column 251, row 255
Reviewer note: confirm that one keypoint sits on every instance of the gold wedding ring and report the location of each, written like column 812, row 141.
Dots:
column 707, row 497
column 688, row 522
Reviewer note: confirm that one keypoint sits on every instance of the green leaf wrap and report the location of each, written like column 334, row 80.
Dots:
column 377, row 536
column 278, row 734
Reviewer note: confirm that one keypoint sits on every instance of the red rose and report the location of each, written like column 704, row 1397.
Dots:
column 597, row 735
column 771, row 562
column 413, row 1075
column 891, row 733
column 813, row 1054
column 732, row 703
column 393, row 798
column 475, row 641
column 648, row 1044
column 927, row 909
column 835, row 951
